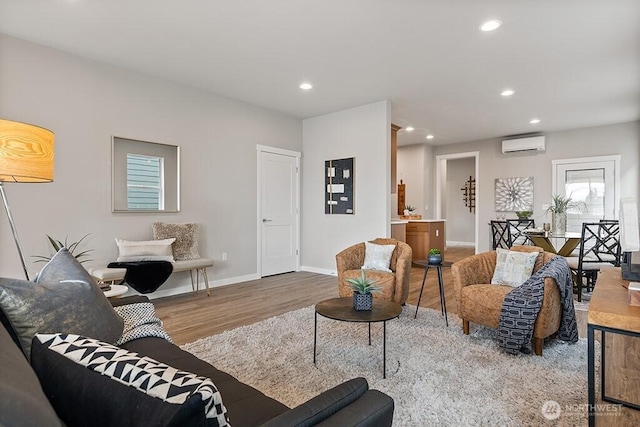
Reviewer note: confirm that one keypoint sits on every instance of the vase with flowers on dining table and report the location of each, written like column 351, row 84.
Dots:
column 559, row 206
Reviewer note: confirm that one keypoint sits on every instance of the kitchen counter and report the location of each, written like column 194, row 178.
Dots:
column 423, row 235
column 420, row 234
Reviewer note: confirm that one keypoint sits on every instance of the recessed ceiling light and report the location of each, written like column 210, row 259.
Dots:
column 305, row 86
column 430, row 136
column 409, row 129
column 507, row 92
column 491, row 25
column 534, row 121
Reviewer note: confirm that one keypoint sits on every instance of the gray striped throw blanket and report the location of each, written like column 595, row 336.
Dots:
column 521, row 306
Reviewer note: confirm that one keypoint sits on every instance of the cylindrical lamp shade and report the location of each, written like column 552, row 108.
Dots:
column 26, row 152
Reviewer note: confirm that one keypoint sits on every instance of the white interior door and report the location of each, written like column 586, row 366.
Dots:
column 279, row 210
column 594, row 182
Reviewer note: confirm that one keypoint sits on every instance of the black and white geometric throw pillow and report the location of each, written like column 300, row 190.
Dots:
column 148, row 376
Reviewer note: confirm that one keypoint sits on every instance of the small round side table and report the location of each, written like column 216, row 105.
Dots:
column 438, row 267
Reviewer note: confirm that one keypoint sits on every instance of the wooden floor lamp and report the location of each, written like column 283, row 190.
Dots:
column 26, row 155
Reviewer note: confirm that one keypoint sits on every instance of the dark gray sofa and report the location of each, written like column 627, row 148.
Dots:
column 24, row 403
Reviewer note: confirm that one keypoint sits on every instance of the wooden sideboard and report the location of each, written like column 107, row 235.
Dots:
column 610, row 313
column 425, row 235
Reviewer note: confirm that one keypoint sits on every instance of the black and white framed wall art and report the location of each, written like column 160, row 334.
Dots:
column 339, row 179
column 514, row 194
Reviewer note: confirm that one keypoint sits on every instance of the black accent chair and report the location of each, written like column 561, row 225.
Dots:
column 145, row 276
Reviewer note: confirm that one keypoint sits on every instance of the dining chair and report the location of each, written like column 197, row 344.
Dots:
column 500, row 234
column 599, row 247
column 516, row 228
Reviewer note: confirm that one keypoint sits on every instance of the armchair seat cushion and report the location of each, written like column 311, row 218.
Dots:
column 478, row 302
column 386, row 282
column 591, row 264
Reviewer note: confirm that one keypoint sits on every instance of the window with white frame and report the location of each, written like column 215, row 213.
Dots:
column 593, row 182
column 145, row 182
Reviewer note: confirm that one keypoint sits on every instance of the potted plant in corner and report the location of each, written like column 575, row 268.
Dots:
column 363, row 290
column 435, row 256
column 56, row 245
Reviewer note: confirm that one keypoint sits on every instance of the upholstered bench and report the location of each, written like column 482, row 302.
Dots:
column 196, row 267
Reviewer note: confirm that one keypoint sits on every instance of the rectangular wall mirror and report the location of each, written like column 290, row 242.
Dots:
column 145, row 176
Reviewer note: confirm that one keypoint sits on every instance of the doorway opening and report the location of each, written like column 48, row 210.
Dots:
column 446, row 166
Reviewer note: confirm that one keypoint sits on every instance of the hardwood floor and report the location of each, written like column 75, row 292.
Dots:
column 189, row 317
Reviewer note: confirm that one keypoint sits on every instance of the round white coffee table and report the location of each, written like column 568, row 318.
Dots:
column 116, row 290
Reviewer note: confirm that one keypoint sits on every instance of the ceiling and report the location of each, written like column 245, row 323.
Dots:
column 571, row 63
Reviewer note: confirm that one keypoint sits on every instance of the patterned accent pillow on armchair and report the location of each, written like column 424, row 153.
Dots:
column 513, row 268
column 377, row 257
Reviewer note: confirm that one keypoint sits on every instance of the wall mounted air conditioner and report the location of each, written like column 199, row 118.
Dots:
column 518, row 145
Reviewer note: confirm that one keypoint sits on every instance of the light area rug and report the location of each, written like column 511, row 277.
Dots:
column 435, row 374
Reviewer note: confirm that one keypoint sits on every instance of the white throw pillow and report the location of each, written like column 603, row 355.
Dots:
column 513, row 268
column 377, row 257
column 145, row 250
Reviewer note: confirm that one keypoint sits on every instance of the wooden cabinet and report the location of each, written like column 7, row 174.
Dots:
column 610, row 313
column 422, row 236
column 399, row 231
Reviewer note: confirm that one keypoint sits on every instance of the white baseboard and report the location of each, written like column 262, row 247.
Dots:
column 184, row 289
column 456, row 243
column 318, row 270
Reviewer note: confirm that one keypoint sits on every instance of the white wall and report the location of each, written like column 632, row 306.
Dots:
column 416, row 162
column 85, row 102
column 460, row 222
column 410, row 169
column 361, row 132
column 623, row 138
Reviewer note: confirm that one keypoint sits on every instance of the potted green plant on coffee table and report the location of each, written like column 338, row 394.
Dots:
column 363, row 290
column 435, row 256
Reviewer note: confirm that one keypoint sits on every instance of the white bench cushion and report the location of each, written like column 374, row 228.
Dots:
column 192, row 264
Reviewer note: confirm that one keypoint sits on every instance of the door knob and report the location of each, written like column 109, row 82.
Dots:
column 266, row 220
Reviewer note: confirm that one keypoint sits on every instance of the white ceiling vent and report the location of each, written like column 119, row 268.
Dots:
column 519, row 145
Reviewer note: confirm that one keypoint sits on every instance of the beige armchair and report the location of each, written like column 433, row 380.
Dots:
column 394, row 286
column 480, row 302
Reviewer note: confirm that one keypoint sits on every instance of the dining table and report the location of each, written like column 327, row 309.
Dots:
column 549, row 241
